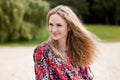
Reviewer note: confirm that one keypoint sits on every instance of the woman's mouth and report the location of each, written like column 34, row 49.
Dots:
column 55, row 34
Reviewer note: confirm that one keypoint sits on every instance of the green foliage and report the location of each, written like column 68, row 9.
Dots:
column 109, row 10
column 43, row 33
column 79, row 6
column 93, row 11
column 21, row 19
column 36, row 12
column 107, row 33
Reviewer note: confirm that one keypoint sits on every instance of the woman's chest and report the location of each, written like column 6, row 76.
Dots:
column 62, row 70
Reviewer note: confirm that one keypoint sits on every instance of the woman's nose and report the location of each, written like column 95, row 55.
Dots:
column 54, row 29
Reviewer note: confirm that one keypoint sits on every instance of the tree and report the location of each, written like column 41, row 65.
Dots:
column 21, row 19
column 108, row 10
column 80, row 7
column 117, row 12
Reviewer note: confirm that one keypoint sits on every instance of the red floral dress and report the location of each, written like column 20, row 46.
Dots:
column 50, row 67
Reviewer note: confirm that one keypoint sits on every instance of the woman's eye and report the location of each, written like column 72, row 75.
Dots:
column 50, row 24
column 59, row 25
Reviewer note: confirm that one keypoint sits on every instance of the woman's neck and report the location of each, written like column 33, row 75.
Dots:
column 62, row 45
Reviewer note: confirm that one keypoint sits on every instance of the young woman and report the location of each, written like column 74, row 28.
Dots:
column 69, row 50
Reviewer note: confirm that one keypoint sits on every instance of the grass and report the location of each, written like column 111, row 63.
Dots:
column 107, row 33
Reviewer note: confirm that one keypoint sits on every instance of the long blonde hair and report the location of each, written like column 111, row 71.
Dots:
column 80, row 42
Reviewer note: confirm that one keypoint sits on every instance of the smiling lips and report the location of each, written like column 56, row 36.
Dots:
column 55, row 34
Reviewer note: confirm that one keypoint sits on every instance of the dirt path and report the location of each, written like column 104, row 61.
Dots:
column 16, row 63
column 107, row 65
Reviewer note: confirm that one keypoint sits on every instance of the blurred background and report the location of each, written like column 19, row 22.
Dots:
column 23, row 21
column 23, row 27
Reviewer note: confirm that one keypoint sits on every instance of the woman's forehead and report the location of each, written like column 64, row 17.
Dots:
column 56, row 18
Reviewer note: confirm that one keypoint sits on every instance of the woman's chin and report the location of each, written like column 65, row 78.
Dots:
column 55, row 38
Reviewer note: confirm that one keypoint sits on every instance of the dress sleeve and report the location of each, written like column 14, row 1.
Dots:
column 88, row 73
column 40, row 64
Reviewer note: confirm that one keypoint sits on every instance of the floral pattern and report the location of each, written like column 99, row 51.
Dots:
column 50, row 67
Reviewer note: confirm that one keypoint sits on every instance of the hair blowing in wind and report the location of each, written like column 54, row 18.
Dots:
column 80, row 42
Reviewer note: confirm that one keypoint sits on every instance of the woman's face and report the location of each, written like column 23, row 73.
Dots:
column 57, row 27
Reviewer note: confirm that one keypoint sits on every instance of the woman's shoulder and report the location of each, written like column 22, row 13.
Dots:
column 43, row 46
column 41, row 51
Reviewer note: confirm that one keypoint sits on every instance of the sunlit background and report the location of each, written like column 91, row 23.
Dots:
column 23, row 27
